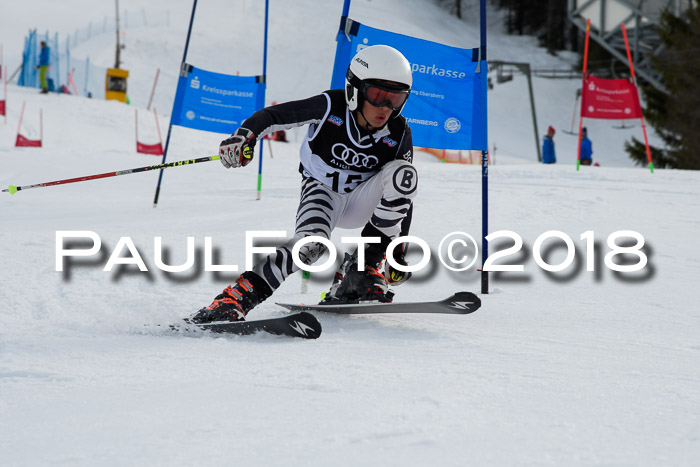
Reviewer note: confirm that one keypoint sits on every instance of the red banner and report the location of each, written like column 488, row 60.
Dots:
column 154, row 149
column 2, row 107
column 613, row 99
column 24, row 142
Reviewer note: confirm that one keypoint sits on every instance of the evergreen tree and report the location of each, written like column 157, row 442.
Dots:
column 544, row 19
column 674, row 115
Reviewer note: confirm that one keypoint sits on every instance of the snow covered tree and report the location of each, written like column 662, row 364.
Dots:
column 674, row 115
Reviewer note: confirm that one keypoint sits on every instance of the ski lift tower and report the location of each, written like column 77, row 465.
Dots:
column 641, row 18
column 115, row 81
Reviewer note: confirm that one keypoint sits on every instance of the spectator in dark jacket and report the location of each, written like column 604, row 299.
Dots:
column 548, row 153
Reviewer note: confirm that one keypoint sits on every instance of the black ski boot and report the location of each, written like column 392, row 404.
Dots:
column 234, row 303
column 349, row 262
column 367, row 285
column 361, row 286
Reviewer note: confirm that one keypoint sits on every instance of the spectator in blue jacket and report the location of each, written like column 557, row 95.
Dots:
column 548, row 154
column 43, row 67
column 586, row 148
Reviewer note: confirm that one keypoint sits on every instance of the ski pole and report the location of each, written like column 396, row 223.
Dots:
column 305, row 276
column 12, row 189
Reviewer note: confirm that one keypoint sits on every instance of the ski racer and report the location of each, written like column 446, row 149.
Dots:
column 356, row 172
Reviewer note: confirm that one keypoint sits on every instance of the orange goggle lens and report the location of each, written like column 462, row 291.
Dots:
column 380, row 97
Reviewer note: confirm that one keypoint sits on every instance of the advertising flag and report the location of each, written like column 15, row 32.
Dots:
column 613, row 99
column 447, row 106
column 215, row 102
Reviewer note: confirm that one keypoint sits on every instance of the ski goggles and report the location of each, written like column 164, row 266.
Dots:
column 380, row 96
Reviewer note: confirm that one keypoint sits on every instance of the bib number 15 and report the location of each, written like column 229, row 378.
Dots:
column 350, row 179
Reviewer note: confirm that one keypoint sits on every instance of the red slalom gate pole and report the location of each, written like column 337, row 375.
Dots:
column 585, row 67
column 4, row 79
column 72, row 83
column 153, row 90
column 21, row 115
column 12, row 189
column 634, row 80
column 160, row 137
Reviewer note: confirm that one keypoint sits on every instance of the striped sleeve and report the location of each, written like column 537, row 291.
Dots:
column 287, row 115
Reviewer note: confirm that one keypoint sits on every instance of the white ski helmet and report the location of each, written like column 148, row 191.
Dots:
column 377, row 64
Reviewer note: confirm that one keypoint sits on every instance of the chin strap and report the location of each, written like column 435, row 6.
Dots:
column 370, row 128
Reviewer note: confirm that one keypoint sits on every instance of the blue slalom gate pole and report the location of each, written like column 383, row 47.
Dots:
column 346, row 8
column 264, row 77
column 484, row 161
column 339, row 37
column 170, row 125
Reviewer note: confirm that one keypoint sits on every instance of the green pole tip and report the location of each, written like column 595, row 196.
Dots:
column 12, row 189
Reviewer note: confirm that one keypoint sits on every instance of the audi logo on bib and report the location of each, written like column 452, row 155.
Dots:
column 353, row 158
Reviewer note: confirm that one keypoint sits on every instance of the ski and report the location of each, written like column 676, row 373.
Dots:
column 461, row 303
column 304, row 325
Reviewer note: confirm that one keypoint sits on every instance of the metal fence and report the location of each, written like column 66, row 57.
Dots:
column 79, row 75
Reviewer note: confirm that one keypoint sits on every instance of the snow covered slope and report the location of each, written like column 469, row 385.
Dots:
column 566, row 368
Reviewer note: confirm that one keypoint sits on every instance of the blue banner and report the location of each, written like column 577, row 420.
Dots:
column 447, row 106
column 215, row 102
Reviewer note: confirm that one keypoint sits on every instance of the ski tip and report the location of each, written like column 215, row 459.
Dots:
column 293, row 306
column 465, row 302
column 307, row 325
